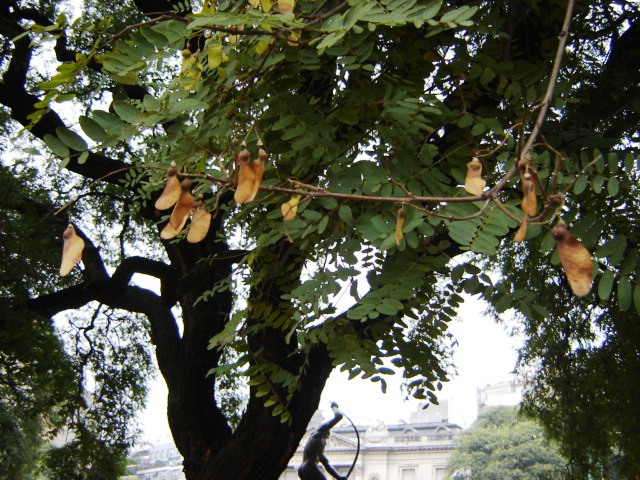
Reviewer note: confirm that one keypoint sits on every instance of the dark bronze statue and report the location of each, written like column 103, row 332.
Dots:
column 314, row 451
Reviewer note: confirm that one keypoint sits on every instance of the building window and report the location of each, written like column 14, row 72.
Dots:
column 408, row 474
column 439, row 474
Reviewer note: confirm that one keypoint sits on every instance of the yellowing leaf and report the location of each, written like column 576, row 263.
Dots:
column 399, row 224
column 200, row 223
column 171, row 191
column 71, row 250
column 286, row 6
column 473, row 182
column 208, row 6
column 293, row 40
column 290, row 209
column 575, row 259
column 214, row 55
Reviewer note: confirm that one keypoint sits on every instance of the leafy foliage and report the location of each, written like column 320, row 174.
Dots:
column 500, row 445
column 364, row 116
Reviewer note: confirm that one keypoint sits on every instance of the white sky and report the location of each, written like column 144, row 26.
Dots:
column 485, row 354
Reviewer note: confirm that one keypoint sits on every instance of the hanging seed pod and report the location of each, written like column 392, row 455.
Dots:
column 258, row 169
column 246, row 178
column 171, row 192
column 290, row 209
column 71, row 250
column 473, row 182
column 180, row 213
column 529, row 203
column 399, row 224
column 200, row 223
column 575, row 259
column 521, row 234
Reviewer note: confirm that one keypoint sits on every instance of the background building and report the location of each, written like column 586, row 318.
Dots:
column 500, row 394
column 414, row 450
column 159, row 462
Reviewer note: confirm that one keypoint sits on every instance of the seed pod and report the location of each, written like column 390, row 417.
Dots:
column 71, row 250
column 246, row 178
column 180, row 213
column 200, row 223
column 575, row 259
column 258, row 169
column 290, row 209
column 529, row 202
column 399, row 224
column 521, row 234
column 473, row 182
column 171, row 192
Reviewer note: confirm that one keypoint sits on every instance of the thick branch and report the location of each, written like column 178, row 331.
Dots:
column 164, row 330
column 153, row 268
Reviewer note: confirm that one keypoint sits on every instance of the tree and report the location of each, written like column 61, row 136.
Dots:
column 579, row 367
column 329, row 148
column 501, row 445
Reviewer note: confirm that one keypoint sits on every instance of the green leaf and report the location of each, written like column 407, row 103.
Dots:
column 110, row 122
column 93, row 129
column 71, row 139
column 605, row 285
column 344, row 212
column 126, row 111
column 613, row 186
column 624, row 294
column 56, row 146
column 83, row 157
column 156, row 38
column 465, row 121
column 581, row 183
column 322, row 226
column 636, row 298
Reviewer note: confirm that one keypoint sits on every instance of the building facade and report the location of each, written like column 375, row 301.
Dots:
column 159, row 462
column 507, row 393
column 414, row 450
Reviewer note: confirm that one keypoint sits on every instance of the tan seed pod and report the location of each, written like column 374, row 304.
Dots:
column 521, row 234
column 180, row 213
column 171, row 192
column 290, row 209
column 575, row 259
column 258, row 169
column 200, row 223
column 246, row 178
column 71, row 250
column 473, row 182
column 399, row 224
column 168, row 232
column 529, row 202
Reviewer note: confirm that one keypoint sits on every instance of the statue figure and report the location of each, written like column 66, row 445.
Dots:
column 314, row 451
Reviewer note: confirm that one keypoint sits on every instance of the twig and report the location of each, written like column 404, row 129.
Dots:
column 546, row 101
column 553, row 78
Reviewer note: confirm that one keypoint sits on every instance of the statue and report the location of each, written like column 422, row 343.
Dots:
column 314, row 451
